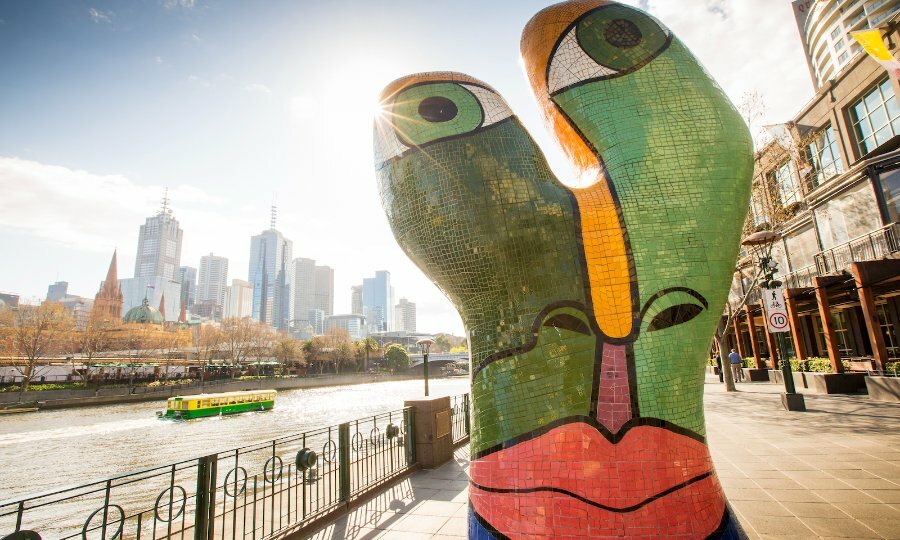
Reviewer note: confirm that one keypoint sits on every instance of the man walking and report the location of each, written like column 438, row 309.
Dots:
column 736, row 361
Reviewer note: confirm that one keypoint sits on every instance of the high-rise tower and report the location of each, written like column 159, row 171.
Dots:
column 159, row 245
column 213, row 279
column 271, row 276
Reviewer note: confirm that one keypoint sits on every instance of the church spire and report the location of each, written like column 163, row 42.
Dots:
column 108, row 301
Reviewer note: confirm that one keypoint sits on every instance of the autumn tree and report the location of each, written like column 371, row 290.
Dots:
column 37, row 331
column 288, row 352
column 94, row 338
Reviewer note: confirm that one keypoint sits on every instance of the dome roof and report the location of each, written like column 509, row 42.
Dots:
column 143, row 314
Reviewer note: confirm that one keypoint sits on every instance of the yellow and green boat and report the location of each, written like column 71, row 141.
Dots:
column 200, row 405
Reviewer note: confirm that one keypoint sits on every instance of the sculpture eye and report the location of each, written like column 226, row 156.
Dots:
column 673, row 316
column 429, row 112
column 671, row 307
column 565, row 321
column 607, row 42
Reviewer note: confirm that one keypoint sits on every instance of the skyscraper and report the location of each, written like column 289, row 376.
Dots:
column 271, row 276
column 213, row 279
column 239, row 299
column 58, row 291
column 378, row 302
column 356, row 303
column 188, row 279
column 405, row 316
column 304, row 291
column 324, row 295
column 159, row 246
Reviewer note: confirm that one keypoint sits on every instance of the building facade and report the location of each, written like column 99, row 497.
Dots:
column 355, row 325
column 378, row 302
column 58, row 291
column 356, row 303
column 304, row 291
column 825, row 27
column 271, row 275
column 832, row 189
column 324, row 295
column 187, row 276
column 213, row 280
column 159, row 246
column 405, row 316
column 239, row 300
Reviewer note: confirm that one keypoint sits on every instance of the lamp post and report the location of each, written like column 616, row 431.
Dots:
column 760, row 245
column 424, row 346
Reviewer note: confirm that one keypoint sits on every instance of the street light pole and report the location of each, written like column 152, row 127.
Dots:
column 424, row 346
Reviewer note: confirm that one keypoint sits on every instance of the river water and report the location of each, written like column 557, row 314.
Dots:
column 50, row 449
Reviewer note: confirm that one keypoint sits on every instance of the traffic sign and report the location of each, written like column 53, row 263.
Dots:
column 776, row 310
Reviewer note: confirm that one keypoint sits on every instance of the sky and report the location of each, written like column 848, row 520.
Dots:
column 232, row 104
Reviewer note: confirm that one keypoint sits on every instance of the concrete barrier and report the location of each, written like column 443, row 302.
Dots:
column 884, row 388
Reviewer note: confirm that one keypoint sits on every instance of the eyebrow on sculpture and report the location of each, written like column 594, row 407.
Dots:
column 700, row 298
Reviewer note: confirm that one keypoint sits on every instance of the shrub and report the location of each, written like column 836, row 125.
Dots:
column 892, row 369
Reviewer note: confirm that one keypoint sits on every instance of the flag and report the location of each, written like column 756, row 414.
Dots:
column 873, row 43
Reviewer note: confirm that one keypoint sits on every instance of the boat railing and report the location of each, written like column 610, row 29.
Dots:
column 260, row 490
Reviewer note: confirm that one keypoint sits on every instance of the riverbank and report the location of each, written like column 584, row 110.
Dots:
column 62, row 399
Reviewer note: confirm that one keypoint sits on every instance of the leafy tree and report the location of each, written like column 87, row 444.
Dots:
column 442, row 343
column 396, row 357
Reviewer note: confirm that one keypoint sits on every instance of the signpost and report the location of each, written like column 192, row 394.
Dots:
column 778, row 323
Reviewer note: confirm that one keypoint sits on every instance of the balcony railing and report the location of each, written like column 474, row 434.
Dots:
column 873, row 246
column 258, row 491
column 801, row 278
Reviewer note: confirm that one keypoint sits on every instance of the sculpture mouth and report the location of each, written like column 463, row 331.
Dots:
column 653, row 481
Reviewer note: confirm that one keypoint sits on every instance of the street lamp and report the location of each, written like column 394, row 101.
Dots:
column 760, row 245
column 424, row 346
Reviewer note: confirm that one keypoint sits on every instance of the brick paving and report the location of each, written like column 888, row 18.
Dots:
column 830, row 472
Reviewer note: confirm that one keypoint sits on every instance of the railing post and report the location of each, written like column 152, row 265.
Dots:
column 344, row 461
column 410, row 435
column 467, row 407
column 204, row 519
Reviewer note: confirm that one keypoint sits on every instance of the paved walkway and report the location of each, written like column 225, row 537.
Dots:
column 831, row 472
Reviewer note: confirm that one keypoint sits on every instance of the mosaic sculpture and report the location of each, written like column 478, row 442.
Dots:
column 590, row 310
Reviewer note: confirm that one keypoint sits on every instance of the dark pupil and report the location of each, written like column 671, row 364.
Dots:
column 623, row 34
column 437, row 109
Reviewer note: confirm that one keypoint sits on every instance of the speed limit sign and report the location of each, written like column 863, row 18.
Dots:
column 776, row 310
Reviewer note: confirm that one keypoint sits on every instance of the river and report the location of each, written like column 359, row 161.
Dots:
column 50, row 449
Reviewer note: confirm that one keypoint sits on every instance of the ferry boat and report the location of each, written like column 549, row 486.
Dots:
column 200, row 405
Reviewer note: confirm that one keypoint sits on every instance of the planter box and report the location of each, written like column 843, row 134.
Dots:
column 776, row 376
column 756, row 375
column 836, row 383
column 884, row 388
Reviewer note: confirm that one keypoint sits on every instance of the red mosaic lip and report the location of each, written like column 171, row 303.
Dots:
column 653, row 482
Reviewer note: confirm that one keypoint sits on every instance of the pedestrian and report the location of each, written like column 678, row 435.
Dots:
column 719, row 366
column 736, row 362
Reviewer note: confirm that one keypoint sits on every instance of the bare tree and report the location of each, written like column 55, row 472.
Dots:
column 93, row 339
column 37, row 330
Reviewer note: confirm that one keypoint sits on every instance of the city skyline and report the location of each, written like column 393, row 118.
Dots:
column 192, row 97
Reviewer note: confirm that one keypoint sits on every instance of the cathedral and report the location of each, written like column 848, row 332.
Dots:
column 108, row 302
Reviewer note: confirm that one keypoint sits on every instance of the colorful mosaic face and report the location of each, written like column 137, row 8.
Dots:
column 590, row 310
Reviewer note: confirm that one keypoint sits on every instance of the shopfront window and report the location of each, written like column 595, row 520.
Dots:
column 890, row 186
column 842, row 329
column 848, row 216
column 887, row 329
column 802, row 248
column 825, row 156
column 876, row 117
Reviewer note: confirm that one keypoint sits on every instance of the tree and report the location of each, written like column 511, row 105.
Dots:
column 37, row 331
column 338, row 346
column 236, row 338
column 368, row 345
column 442, row 343
column 95, row 338
column 288, row 352
column 396, row 357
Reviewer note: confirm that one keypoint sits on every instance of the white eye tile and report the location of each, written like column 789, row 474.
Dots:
column 495, row 109
column 570, row 65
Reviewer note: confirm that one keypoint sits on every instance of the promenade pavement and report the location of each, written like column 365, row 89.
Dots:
column 830, row 472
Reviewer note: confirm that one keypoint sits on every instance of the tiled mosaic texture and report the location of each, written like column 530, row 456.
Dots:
column 590, row 310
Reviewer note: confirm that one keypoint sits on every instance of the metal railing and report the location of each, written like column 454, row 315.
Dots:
column 802, row 278
column 262, row 490
column 872, row 246
column 459, row 418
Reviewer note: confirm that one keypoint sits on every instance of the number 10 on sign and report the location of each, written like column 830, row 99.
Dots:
column 776, row 310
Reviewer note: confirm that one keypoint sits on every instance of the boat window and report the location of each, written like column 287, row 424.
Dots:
column 204, row 403
column 170, row 403
column 231, row 401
